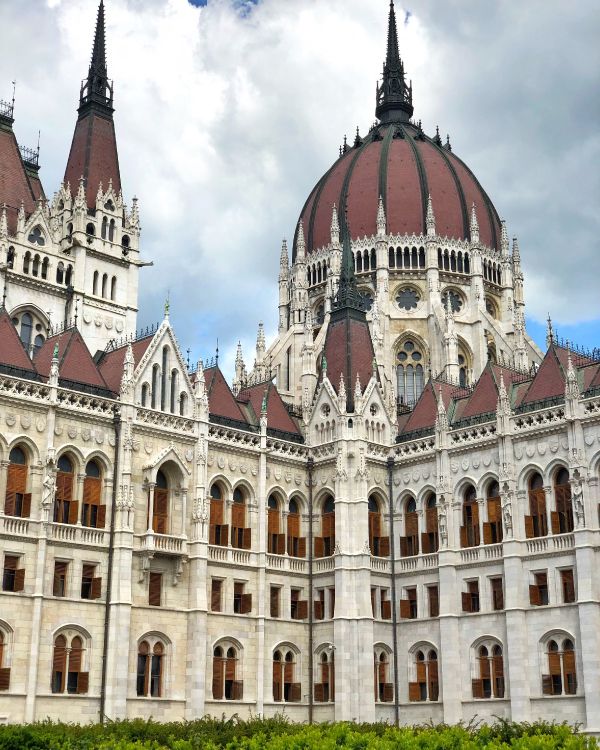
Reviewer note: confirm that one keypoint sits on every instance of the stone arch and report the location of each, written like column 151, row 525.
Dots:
column 482, row 485
column 33, row 455
column 77, row 455
column 423, row 495
column 550, row 471
column 525, row 474
column 224, row 482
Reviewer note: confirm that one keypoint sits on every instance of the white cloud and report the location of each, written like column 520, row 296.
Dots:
column 225, row 123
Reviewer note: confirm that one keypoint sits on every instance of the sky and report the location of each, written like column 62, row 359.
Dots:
column 229, row 111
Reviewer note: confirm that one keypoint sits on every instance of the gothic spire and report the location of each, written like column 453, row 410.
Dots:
column 394, row 97
column 348, row 295
column 97, row 89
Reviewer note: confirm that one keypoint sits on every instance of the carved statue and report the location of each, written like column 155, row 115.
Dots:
column 577, row 491
column 48, row 489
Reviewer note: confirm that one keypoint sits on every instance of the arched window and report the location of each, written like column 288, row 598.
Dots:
column 409, row 543
column 469, row 531
column 218, row 532
column 562, row 672
column 409, row 373
column 125, row 242
column 17, row 501
column 113, row 288
column 65, row 507
column 240, row 535
column 296, row 544
column 182, row 404
column 26, row 329
column 94, row 513
column 150, row 669
column 492, row 530
column 160, row 512
column 384, row 687
column 35, row 266
column 111, row 230
column 163, row 380
column 226, row 682
column 90, row 230
column 104, row 285
column 95, row 283
column 67, row 666
column 325, row 673
column 10, row 258
column 378, row 544
column 26, row 262
column 60, row 273
column 425, row 686
column 104, row 227
column 285, row 688
column 430, row 540
column 145, row 391
column 489, row 682
column 37, row 342
column 325, row 544
column 275, row 540
column 155, row 386
column 536, row 523
column 562, row 518
column 4, row 670
column 45, row 264
column 462, row 371
column 174, row 389
column 68, row 275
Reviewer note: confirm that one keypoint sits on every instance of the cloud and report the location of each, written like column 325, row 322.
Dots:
column 226, row 120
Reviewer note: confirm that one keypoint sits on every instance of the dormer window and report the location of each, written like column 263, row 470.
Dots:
column 109, row 205
column 36, row 236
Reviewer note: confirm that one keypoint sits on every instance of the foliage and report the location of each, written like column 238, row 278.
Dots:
column 280, row 734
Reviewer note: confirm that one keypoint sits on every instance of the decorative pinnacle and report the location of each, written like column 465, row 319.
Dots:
column 97, row 88
column 393, row 96
column 300, row 244
column 55, row 351
column 357, row 388
column 437, row 138
column 238, row 355
column 430, row 218
column 167, row 307
column 284, row 258
column 503, row 239
column 260, row 341
column 348, row 296
column 380, row 218
column 549, row 332
column 335, row 226
column 516, row 254
column 474, row 225
column 447, row 145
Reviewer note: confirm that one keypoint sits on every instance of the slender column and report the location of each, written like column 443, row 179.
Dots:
column 151, row 487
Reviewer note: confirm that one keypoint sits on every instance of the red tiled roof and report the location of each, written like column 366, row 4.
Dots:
column 221, row 400
column 484, row 397
column 425, row 412
column 93, row 155
column 111, row 363
column 75, row 361
column 12, row 351
column 14, row 183
column 549, row 380
column 278, row 416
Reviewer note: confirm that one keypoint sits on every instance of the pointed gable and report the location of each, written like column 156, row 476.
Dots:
column 12, row 351
column 424, row 414
column 221, row 401
column 15, row 187
column 484, row 396
column 278, row 417
column 549, row 380
column 75, row 361
column 111, row 362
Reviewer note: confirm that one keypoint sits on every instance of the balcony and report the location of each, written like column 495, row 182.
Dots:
column 163, row 544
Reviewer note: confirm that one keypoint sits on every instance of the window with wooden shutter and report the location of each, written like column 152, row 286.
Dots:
column 331, row 601
column 295, row 692
column 569, row 669
column 414, row 691
column 469, row 532
column 218, row 531
column 320, row 692
column 537, row 507
column 319, row 546
column 273, row 531
column 497, row 593
column 65, row 507
column 240, row 536
column 218, row 674
column 320, row 605
column 216, row 588
column 498, row 672
column 160, row 517
column 143, row 668
column 294, row 599
column 13, row 577
column 277, row 677
column 59, row 664
column 564, row 504
column 466, row 601
column 92, row 493
column 246, row 604
column 91, row 585
column 4, row 671
column 75, row 658
column 237, row 690
column 432, row 677
column 302, row 610
column 386, row 606
column 412, row 533
column 404, row 609
column 431, row 526
column 274, row 601
column 17, row 501
column 477, row 687
column 538, row 592
column 154, row 589
column 156, row 670
column 492, row 530
column 434, row 601
column 238, row 592
column 568, row 586
column 328, row 532
column 59, row 583
column 554, row 667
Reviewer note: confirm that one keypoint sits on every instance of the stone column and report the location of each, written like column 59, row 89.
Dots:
column 150, row 486
column 450, row 651
column 516, row 651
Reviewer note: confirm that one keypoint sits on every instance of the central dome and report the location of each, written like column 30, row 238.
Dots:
column 398, row 162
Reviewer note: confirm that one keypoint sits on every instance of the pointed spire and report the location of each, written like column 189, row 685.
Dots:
column 474, row 225
column 284, row 260
column 300, row 244
column 430, row 218
column 348, row 296
column 394, row 97
column 503, row 406
column 128, row 369
column 357, row 389
column 380, row 218
column 3, row 223
column 97, row 89
column 260, row 342
column 441, row 421
column 516, row 253
column 571, row 385
column 447, row 145
column 167, row 307
column 437, row 139
column 503, row 239
column 80, row 197
column 549, row 332
column 134, row 218
column 335, row 227
column 342, row 393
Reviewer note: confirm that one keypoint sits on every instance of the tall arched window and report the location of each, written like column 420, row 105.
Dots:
column 226, row 682
column 536, row 523
column 145, row 390
column 26, row 262
column 218, row 532
column 430, row 540
column 155, row 386
column 240, row 535
column 409, row 543
column 174, row 389
column 384, row 687
column 378, row 544
column 4, row 670
column 17, row 501
column 469, row 531
column 296, row 544
column 60, row 273
column 409, row 373
column 104, row 285
column 163, row 380
column 275, row 540
column 95, row 283
column 562, row 673
column 150, row 669
column 160, row 515
column 562, row 518
column 65, row 507
column 325, row 672
column 492, row 529
column 325, row 544
column 67, row 666
column 94, row 513
column 425, row 686
column 113, row 288
column 285, row 688
column 182, row 404
column 26, row 329
column 103, row 229
column 489, row 682
column 111, row 230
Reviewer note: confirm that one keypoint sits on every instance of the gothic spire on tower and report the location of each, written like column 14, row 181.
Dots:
column 348, row 295
column 97, row 89
column 394, row 96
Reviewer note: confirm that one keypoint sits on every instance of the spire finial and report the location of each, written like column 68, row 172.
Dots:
column 549, row 332
column 348, row 295
column 380, row 218
column 503, row 238
column 300, row 244
column 474, row 225
column 167, row 307
column 394, row 97
column 335, row 227
column 430, row 218
column 283, row 258
column 97, row 88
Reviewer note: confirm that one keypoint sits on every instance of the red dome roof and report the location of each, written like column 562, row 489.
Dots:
column 399, row 162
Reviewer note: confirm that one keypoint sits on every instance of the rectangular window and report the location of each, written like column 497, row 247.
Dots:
column 13, row 577
column 497, row 593
column 59, row 584
column 216, row 589
column 91, row 585
column 242, row 602
column 538, row 591
column 408, row 605
column 386, row 605
column 274, row 601
column 320, row 605
column 332, row 602
column 434, row 601
column 470, row 598
column 373, row 600
column 154, row 589
column 298, row 607
column 568, row 586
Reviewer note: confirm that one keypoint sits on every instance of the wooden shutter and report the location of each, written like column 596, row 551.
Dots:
column 60, row 573
column 388, row 692
column 405, row 608
column 434, row 603
column 73, row 512
column 217, row 687
column 238, row 515
column 412, row 524
column 498, row 665
column 475, row 508
column 247, row 539
column 555, row 522
column 386, row 609
column 101, row 517
column 477, row 686
column 318, row 610
column 64, row 486
column 10, row 497
column 464, row 541
column 302, row 547
column 484, row 668
column 274, row 602
column 319, row 546
column 570, row 672
column 276, row 680
column 293, row 524
column 529, row 530
column 83, row 682
column 26, row 512
column 302, row 610
column 487, row 533
column 414, row 691
column 288, row 671
column 96, row 588
column 273, row 521
column 216, row 512
column 554, row 663
column 319, row 692
column 534, row 595
column 568, row 586
column 493, row 509
column 295, row 694
column 384, row 546
column 215, row 595
column 425, row 546
column 403, row 547
column 212, row 533
column 246, row 604
column 154, row 586
column 466, row 601
column 547, row 685
column 4, row 678
column 161, row 510
column 280, row 544
column 421, row 672
column 237, row 690
column 19, row 579
column 224, row 539
column 92, row 490
column 230, row 668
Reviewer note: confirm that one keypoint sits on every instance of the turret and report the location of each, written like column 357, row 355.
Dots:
column 299, row 302
column 284, row 288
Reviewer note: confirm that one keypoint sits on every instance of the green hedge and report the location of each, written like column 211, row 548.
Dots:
column 280, row 734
